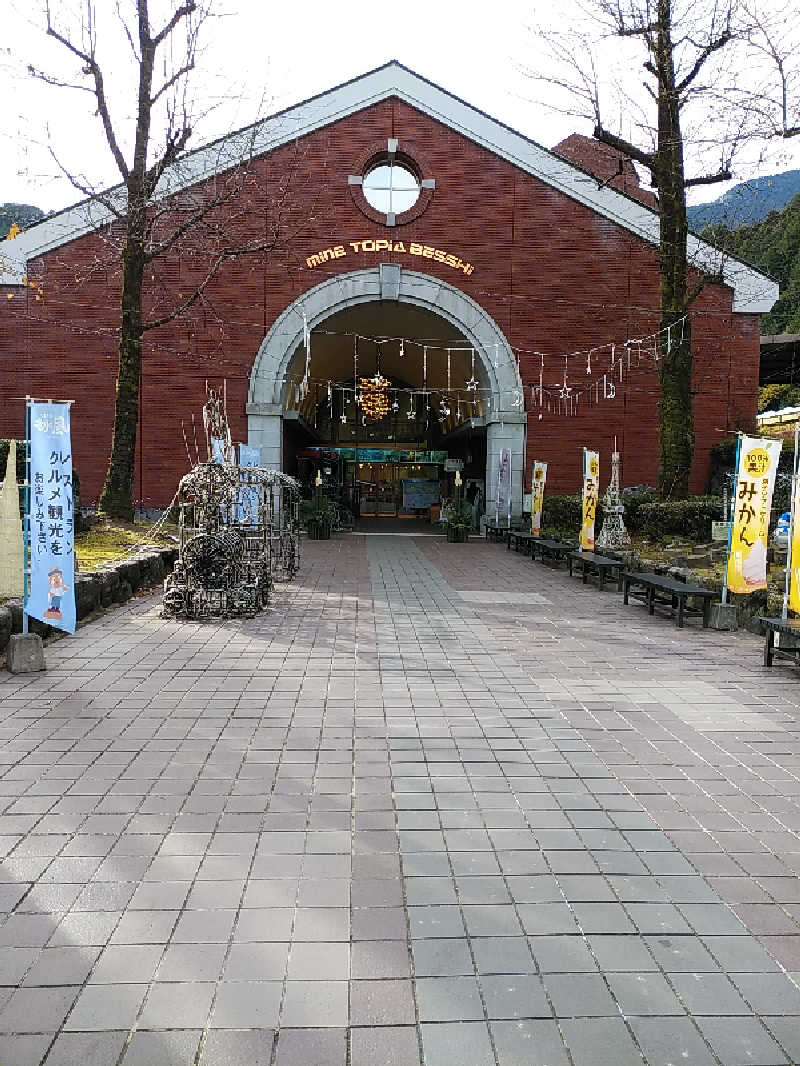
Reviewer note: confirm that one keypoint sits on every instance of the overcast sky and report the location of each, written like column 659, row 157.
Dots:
column 264, row 56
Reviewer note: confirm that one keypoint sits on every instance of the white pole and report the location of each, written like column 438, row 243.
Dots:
column 788, row 578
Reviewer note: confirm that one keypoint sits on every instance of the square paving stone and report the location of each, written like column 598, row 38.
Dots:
column 442, row 958
column 192, row 962
column 602, row 918
column 127, row 964
column 444, row 999
column 260, row 925
column 544, row 919
column 502, row 954
column 101, row 1007
column 741, row 1042
column 379, row 959
column 247, row 1005
column 669, row 1041
column 319, row 962
column 562, row 954
column 378, row 923
column 444, row 921
column 465, row 1043
column 316, row 1004
column 183, row 1004
column 23, row 1050
column 528, row 1043
column 381, row 1003
column 768, row 993
column 309, row 1047
column 88, row 1049
column 579, row 996
column 490, row 920
column 787, row 1032
column 145, row 927
column 321, row 924
column 592, row 1041
column 643, row 994
column 681, row 954
column 708, row 993
column 740, row 954
column 621, row 953
column 387, row 1046
column 519, row 996
column 175, row 1048
column 62, row 966
column 657, row 918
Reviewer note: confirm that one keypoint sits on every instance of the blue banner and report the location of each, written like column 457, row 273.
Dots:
column 51, row 522
column 247, row 508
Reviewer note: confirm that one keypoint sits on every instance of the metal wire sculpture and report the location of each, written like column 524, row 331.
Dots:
column 238, row 532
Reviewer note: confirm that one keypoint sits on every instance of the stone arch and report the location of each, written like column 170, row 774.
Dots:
column 267, row 391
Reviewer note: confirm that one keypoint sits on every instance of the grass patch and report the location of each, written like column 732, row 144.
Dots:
column 110, row 541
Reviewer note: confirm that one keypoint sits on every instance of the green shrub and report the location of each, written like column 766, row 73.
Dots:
column 690, row 519
column 562, row 516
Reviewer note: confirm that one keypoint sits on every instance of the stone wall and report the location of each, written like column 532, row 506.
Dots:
column 97, row 590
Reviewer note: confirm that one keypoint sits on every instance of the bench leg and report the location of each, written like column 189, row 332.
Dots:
column 619, row 581
column 626, row 588
column 602, row 579
column 769, row 647
column 706, row 612
column 651, row 601
column 681, row 604
column 584, row 574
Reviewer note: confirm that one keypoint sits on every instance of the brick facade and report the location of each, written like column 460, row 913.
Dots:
column 554, row 275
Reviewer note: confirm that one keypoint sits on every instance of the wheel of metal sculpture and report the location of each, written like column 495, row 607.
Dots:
column 214, row 559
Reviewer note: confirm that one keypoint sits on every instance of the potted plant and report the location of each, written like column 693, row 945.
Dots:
column 320, row 515
column 457, row 516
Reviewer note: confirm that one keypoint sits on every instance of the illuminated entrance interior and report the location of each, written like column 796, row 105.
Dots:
column 395, row 397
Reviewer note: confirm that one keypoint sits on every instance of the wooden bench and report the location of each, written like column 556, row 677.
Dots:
column 520, row 540
column 789, row 627
column 501, row 532
column 670, row 593
column 601, row 565
column 550, row 550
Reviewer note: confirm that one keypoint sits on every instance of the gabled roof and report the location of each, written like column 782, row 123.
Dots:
column 753, row 292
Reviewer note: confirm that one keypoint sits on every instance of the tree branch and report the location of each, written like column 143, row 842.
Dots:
column 183, row 12
column 713, row 46
column 647, row 159
column 708, row 179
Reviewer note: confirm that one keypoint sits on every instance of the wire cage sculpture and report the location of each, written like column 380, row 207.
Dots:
column 237, row 535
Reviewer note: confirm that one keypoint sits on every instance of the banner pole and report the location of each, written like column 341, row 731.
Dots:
column 724, row 595
column 27, row 524
column 792, row 519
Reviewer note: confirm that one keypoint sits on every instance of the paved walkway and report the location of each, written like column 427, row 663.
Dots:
column 440, row 805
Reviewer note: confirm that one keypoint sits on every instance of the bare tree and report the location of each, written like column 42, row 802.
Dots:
column 689, row 51
column 149, row 220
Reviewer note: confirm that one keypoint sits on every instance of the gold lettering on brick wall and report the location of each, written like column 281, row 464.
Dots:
column 384, row 244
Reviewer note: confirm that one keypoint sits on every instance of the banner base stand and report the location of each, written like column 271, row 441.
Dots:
column 723, row 616
column 25, row 654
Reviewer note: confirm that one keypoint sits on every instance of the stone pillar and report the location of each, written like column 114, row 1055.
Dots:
column 265, row 429
column 506, row 430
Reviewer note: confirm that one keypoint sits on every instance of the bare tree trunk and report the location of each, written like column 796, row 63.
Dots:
column 117, row 496
column 677, row 421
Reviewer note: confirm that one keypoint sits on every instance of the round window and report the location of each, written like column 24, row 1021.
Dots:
column 391, row 188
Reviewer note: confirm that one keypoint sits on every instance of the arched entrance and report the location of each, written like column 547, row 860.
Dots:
column 503, row 413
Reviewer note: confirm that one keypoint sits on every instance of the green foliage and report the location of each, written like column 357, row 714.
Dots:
column 773, row 246
column 690, row 519
column 562, row 516
column 455, row 517
column 776, row 397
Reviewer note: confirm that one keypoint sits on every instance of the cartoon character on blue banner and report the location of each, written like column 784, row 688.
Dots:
column 50, row 519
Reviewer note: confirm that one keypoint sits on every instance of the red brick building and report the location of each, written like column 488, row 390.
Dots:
column 507, row 294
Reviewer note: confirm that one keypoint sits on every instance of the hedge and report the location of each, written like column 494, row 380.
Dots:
column 644, row 514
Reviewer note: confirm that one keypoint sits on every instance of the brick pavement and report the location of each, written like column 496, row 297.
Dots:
column 440, row 805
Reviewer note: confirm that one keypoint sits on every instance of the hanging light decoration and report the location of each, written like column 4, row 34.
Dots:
column 374, row 397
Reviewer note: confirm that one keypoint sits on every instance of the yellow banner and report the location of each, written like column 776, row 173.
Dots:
column 755, row 480
column 591, row 489
column 794, row 558
column 538, row 478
